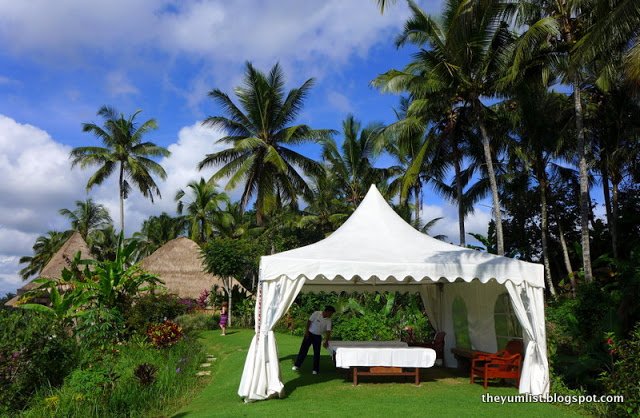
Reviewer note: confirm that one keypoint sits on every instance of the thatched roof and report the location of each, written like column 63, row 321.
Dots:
column 53, row 269
column 75, row 243
column 178, row 263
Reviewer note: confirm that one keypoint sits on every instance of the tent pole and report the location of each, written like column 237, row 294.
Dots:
column 441, row 313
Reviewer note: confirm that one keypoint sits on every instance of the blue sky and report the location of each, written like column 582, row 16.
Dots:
column 62, row 61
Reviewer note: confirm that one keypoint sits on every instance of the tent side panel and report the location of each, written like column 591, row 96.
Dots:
column 479, row 299
column 261, row 375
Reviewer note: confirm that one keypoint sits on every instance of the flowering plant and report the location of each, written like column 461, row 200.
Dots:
column 164, row 334
column 203, row 298
column 188, row 304
column 610, row 343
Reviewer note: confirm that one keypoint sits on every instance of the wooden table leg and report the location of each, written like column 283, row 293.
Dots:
column 355, row 376
column 417, row 376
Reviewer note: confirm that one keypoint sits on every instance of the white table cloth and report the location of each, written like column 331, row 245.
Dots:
column 387, row 354
column 334, row 345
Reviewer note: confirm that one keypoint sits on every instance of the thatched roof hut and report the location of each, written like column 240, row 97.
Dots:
column 53, row 269
column 179, row 265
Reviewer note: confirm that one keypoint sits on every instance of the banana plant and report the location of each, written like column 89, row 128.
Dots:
column 113, row 283
column 64, row 306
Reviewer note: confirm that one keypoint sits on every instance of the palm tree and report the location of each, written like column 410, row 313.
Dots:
column 428, row 157
column 615, row 26
column 466, row 55
column 156, row 231
column 87, row 217
column 541, row 121
column 204, row 206
column 45, row 247
column 104, row 243
column 123, row 150
column 411, row 144
column 351, row 165
column 616, row 120
column 235, row 223
column 555, row 28
column 260, row 135
column 326, row 210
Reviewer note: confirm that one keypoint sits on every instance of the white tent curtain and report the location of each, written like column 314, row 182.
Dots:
column 431, row 299
column 528, row 304
column 261, row 374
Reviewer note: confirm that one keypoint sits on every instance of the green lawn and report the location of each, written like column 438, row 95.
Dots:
column 331, row 394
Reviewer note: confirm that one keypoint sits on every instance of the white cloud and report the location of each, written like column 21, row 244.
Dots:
column 63, row 27
column 194, row 142
column 9, row 282
column 118, row 84
column 339, row 101
column 207, row 39
column 38, row 181
column 476, row 222
column 288, row 30
column 36, row 177
column 5, row 81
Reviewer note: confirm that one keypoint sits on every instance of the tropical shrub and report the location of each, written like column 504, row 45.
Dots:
column 203, row 299
column 244, row 312
column 367, row 316
column 92, row 383
column 34, row 351
column 624, row 378
column 62, row 306
column 99, row 328
column 191, row 323
column 188, row 304
column 113, row 284
column 575, row 331
column 373, row 326
column 153, row 308
column 110, row 387
column 293, row 321
column 145, row 373
column 576, row 326
column 164, row 334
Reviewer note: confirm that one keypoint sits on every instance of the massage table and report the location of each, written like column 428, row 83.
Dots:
column 381, row 358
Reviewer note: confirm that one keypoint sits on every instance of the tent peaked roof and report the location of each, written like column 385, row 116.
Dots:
column 178, row 263
column 375, row 242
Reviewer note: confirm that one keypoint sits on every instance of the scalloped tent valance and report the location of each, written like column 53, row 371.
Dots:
column 376, row 243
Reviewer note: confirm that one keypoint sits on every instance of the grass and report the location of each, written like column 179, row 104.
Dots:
column 331, row 393
column 108, row 387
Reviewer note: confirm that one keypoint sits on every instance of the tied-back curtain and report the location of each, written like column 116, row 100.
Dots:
column 528, row 304
column 431, row 299
column 261, row 375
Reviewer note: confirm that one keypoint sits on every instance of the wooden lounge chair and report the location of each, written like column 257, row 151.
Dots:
column 505, row 364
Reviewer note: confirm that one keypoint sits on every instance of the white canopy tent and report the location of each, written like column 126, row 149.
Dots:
column 376, row 250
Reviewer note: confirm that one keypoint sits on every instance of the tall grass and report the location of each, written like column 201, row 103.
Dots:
column 101, row 389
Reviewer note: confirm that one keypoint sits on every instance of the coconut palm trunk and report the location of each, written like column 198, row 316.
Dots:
column 565, row 252
column 459, row 199
column 418, row 200
column 544, row 214
column 122, row 191
column 486, row 146
column 606, row 192
column 614, row 217
column 585, row 201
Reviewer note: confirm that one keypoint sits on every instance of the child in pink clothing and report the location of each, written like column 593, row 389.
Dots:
column 224, row 317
